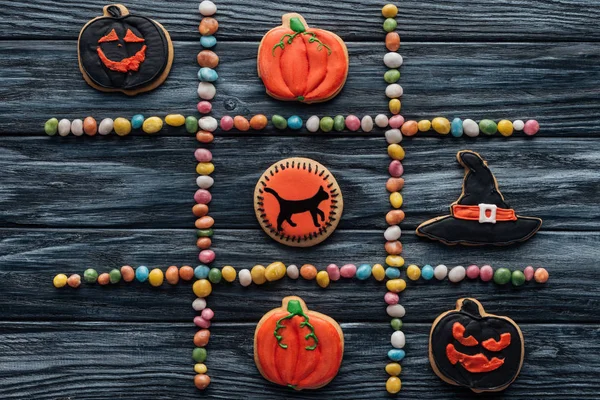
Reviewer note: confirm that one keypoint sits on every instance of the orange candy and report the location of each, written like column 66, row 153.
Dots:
column 308, row 272
column 103, row 279
column 74, row 281
column 392, row 41
column 204, row 137
column 200, row 210
column 204, row 243
column 90, row 126
column 409, row 128
column 204, row 222
column 201, row 337
column 394, row 217
column 393, row 247
column 241, row 123
column 186, row 273
column 201, row 381
column 127, row 273
column 541, row 275
column 208, row 26
column 394, row 184
column 172, row 275
column 258, row 122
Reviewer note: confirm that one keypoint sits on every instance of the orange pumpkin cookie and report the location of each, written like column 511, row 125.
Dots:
column 298, row 202
column 296, row 62
column 296, row 347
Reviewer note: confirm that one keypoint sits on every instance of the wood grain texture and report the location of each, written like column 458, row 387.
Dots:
column 554, row 83
column 354, row 20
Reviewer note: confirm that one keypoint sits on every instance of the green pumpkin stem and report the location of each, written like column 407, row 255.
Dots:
column 298, row 27
column 295, row 309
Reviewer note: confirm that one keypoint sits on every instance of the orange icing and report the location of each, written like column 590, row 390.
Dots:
column 458, row 331
column 477, row 363
column 125, row 65
column 493, row 345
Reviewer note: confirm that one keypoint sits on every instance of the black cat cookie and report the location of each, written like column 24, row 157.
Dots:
column 121, row 52
column 471, row 348
column 298, row 202
column 480, row 216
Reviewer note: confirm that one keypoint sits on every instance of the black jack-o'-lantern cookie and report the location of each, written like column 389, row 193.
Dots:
column 298, row 202
column 122, row 52
column 469, row 347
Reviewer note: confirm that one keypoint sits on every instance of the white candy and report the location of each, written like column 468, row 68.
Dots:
column 206, row 90
column 293, row 272
column 440, row 272
column 398, row 339
column 366, row 124
column 394, row 91
column 106, row 126
column 393, row 136
column 245, row 277
column 207, row 8
column 312, row 124
column 199, row 304
column 518, row 125
column 457, row 274
column 204, row 181
column 392, row 233
column 77, row 127
column 381, row 121
column 392, row 60
column 395, row 311
column 470, row 128
column 208, row 124
column 64, row 127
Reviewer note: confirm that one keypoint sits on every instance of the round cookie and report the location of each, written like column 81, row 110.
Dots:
column 298, row 348
column 298, row 202
column 121, row 52
column 469, row 347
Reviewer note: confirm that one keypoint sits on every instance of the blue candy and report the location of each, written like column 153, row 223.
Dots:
column 294, row 122
column 427, row 272
column 396, row 354
column 363, row 272
column 201, row 271
column 141, row 273
column 137, row 121
column 456, row 128
column 208, row 41
column 392, row 273
column 207, row 75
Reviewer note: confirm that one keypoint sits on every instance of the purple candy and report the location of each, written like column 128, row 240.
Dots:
column 472, row 271
column 207, row 314
column 226, row 123
column 391, row 298
column 333, row 271
column 352, row 123
column 396, row 169
column 348, row 271
column 204, row 107
column 203, row 155
column 206, row 256
column 396, row 121
column 202, row 196
column 486, row 273
column 528, row 272
column 201, row 322
column 531, row 127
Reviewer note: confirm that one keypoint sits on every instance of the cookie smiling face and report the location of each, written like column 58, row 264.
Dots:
column 113, row 45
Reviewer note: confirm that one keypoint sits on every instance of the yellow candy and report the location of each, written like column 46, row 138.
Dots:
column 396, row 200
column 505, row 127
column 156, row 277
column 396, row 152
column 59, row 281
column 323, row 279
column 393, row 385
column 378, row 272
column 389, row 11
column 202, row 288
column 122, row 126
column 175, row 119
column 395, row 106
column 152, row 125
column 258, row 274
column 413, row 272
column 394, row 261
column 393, row 369
column 441, row 125
column 395, row 285
column 275, row 271
column 424, row 125
column 229, row 274
column 205, row 168
column 200, row 368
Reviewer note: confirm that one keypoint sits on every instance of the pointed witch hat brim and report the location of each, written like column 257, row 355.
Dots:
column 457, row 229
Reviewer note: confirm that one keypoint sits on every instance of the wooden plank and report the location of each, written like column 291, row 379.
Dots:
column 150, row 182
column 468, row 80
column 127, row 361
column 31, row 258
column 355, row 20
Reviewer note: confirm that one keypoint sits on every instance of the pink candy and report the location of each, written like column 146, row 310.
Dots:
column 204, row 107
column 201, row 322
column 202, row 196
column 348, row 271
column 531, row 127
column 391, row 298
column 226, row 123
column 207, row 314
column 486, row 273
column 472, row 271
column 396, row 169
column 206, row 256
column 352, row 123
column 333, row 271
column 203, row 155
column 396, row 121
column 528, row 272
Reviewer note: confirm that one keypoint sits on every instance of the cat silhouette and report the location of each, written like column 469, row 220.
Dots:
column 287, row 208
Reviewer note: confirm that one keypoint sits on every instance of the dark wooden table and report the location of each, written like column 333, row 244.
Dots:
column 67, row 204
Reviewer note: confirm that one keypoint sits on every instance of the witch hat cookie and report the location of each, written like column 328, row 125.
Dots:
column 480, row 216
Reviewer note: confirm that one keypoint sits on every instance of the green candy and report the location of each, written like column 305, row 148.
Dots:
column 214, row 275
column 191, row 124
column 199, row 354
column 204, row 233
column 389, row 24
column 502, row 276
column 396, row 324
column 517, row 278
column 90, row 275
column 391, row 76
column 51, row 127
column 115, row 276
column 339, row 123
column 279, row 122
column 488, row 126
column 326, row 124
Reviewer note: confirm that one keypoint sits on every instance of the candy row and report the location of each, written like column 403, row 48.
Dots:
column 469, row 127
column 486, row 273
column 121, row 126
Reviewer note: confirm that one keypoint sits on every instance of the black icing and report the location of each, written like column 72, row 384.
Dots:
column 482, row 328
column 157, row 52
